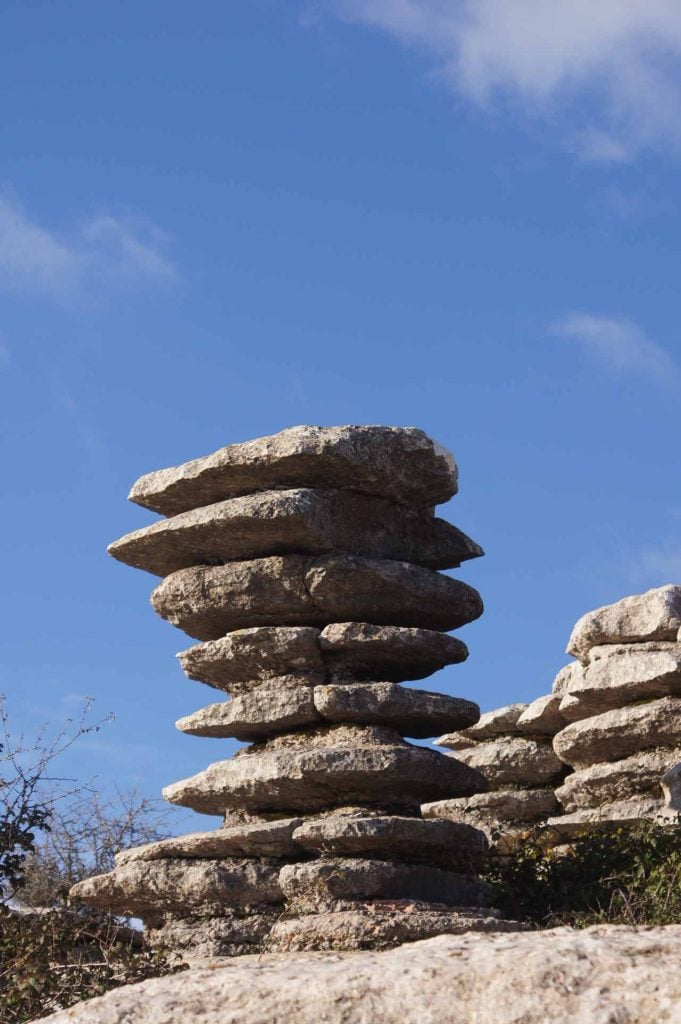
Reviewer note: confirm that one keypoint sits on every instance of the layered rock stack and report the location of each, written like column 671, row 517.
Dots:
column 622, row 700
column 306, row 565
column 512, row 747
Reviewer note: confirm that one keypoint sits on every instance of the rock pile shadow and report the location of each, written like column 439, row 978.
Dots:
column 306, row 564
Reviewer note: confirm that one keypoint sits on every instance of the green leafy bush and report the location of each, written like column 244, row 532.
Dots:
column 630, row 875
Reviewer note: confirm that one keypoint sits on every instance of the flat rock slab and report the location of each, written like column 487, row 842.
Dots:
column 380, row 925
column 390, row 837
column 298, row 521
column 500, row 722
column 542, row 717
column 243, row 660
column 361, row 650
column 606, row 817
column 142, row 888
column 232, row 933
column 318, row 883
column 566, row 678
column 598, row 975
column 401, row 463
column 613, row 781
column 266, row 712
column 617, row 734
column 300, row 779
column 208, row 602
column 655, row 615
column 513, row 760
column 506, row 805
column 620, row 674
column 257, row 839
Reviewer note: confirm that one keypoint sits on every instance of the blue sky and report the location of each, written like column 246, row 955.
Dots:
column 220, row 220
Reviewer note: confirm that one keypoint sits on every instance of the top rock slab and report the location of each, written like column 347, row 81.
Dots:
column 401, row 463
column 655, row 615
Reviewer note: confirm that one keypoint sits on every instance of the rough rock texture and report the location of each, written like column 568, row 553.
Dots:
column 208, row 602
column 542, row 717
column 621, row 674
column 256, row 715
column 303, row 521
column 603, row 975
column 315, row 778
column 500, row 722
column 392, row 838
column 242, row 660
column 256, row 839
column 613, row 781
column 232, row 933
column 655, row 615
column 566, row 678
column 670, row 784
column 323, row 882
column 401, row 463
column 507, row 806
column 617, row 734
column 607, row 816
column 513, row 760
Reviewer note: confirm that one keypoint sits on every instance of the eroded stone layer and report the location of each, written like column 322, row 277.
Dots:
column 615, row 781
column 299, row 521
column 617, row 734
column 655, row 615
column 401, row 463
column 208, row 602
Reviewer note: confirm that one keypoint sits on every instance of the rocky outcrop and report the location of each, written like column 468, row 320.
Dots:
column 597, row 975
column 306, row 563
column 512, row 747
column 621, row 702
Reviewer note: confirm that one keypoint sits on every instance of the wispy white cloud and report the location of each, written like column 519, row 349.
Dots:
column 102, row 254
column 621, row 55
column 621, row 345
column 658, row 564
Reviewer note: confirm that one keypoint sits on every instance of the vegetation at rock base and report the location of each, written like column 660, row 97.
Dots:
column 630, row 875
column 53, row 832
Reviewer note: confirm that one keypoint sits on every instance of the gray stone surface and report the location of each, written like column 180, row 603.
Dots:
column 670, row 784
column 208, row 602
column 513, row 761
column 566, row 678
column 299, row 521
column 350, row 769
column 245, row 658
column 655, row 615
column 620, row 674
column 248, row 839
column 607, row 817
column 613, row 781
column 232, row 933
column 617, row 734
column 395, row 462
column 542, row 717
column 604, row 975
column 361, row 650
column 499, row 722
column 319, row 883
column 410, row 712
column 255, row 716
column 505, row 805
column 148, row 888
column 390, row 837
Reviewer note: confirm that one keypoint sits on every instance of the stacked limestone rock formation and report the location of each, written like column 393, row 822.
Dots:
column 306, row 565
column 622, row 700
column 512, row 747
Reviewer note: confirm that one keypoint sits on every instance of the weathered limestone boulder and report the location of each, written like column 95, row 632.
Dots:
column 400, row 463
column 617, row 734
column 503, row 807
column 541, row 718
column 366, row 765
column 500, row 722
column 605, row 817
column 209, row 601
column 242, row 660
column 655, row 615
column 313, row 522
column 305, row 563
column 513, row 760
column 609, row 974
column 609, row 782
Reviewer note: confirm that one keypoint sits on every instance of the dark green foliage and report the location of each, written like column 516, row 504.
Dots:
column 631, row 875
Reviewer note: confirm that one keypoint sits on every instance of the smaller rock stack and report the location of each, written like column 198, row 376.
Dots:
column 512, row 747
column 305, row 563
column 622, row 700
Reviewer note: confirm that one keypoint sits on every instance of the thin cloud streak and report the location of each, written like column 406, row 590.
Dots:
column 545, row 57
column 101, row 255
column 620, row 345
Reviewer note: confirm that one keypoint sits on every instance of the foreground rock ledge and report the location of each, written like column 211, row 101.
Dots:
column 603, row 975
